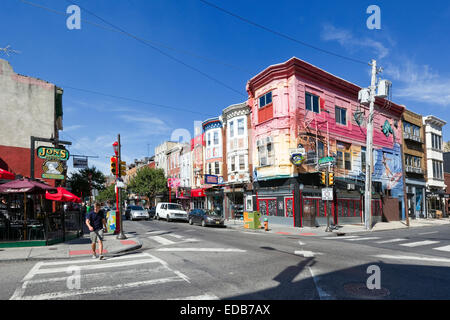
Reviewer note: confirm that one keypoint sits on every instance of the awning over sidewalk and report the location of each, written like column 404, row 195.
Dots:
column 196, row 193
column 62, row 195
column 6, row 175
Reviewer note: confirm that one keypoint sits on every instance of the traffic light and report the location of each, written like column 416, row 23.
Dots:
column 322, row 178
column 122, row 169
column 113, row 165
column 330, row 178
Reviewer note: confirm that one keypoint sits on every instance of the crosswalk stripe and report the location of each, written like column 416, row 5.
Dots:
column 207, row 296
column 392, row 240
column 65, row 294
column 176, row 236
column 98, row 266
column 429, row 259
column 201, row 250
column 305, row 253
column 339, row 238
column 134, row 256
column 361, row 239
column 444, row 248
column 418, row 243
column 161, row 240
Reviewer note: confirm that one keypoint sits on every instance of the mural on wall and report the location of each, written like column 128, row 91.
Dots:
column 388, row 169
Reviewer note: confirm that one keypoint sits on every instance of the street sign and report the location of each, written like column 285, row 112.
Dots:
column 326, row 160
column 327, row 194
column 80, row 163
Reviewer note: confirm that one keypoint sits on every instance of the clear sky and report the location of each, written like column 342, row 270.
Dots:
column 214, row 55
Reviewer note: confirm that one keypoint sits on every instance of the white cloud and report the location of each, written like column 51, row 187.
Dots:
column 73, row 127
column 346, row 39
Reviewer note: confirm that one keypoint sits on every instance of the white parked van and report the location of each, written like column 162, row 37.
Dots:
column 170, row 211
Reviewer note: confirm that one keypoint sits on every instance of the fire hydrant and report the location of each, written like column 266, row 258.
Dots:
column 266, row 224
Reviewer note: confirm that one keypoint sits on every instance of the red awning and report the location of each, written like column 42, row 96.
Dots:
column 197, row 193
column 6, row 175
column 62, row 195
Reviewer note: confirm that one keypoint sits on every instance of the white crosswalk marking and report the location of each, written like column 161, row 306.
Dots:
column 340, row 238
column 392, row 240
column 418, row 243
column 37, row 285
column 362, row 239
column 161, row 240
column 444, row 248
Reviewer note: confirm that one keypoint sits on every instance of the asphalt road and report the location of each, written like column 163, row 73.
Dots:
column 180, row 261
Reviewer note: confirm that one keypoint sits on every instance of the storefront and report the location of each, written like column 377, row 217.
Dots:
column 214, row 199
column 415, row 191
column 436, row 203
column 198, row 199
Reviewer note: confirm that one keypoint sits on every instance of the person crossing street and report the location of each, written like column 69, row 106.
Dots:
column 96, row 222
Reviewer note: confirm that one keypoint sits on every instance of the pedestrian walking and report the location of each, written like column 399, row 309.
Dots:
column 96, row 222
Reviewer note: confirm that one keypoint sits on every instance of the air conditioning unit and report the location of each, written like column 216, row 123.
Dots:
column 384, row 88
column 364, row 96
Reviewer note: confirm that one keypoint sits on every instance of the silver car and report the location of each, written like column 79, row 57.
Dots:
column 136, row 213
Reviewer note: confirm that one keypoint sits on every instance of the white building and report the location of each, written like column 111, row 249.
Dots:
column 435, row 164
column 161, row 155
column 186, row 167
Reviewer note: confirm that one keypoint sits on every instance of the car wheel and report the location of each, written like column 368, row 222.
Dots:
column 203, row 223
column 190, row 221
column 157, row 217
column 168, row 219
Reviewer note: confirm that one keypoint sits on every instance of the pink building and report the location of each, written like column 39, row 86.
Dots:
column 299, row 109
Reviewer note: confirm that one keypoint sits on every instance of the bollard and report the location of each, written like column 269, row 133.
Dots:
column 266, row 224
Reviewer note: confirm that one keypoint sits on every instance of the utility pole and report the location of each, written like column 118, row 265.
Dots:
column 369, row 144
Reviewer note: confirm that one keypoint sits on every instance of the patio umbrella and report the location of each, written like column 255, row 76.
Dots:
column 6, row 175
column 62, row 195
column 25, row 186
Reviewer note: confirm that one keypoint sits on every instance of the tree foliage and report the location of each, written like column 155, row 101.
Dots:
column 108, row 194
column 79, row 181
column 148, row 181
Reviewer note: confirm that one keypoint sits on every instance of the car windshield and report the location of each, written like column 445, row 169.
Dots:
column 135, row 208
column 174, row 206
column 212, row 213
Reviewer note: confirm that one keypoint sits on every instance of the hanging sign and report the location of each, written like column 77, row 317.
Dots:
column 80, row 162
column 53, row 169
column 297, row 156
column 52, row 153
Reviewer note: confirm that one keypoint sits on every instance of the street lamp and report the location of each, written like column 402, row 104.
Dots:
column 116, row 148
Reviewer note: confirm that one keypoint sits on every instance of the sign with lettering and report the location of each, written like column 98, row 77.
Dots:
column 49, row 153
column 80, row 162
column 211, row 179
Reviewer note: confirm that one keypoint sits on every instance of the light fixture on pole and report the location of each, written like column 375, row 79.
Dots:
column 116, row 148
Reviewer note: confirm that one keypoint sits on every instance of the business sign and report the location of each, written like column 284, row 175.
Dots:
column 53, row 169
column 297, row 156
column 326, row 160
column 49, row 153
column 211, row 179
column 80, row 163
column 173, row 182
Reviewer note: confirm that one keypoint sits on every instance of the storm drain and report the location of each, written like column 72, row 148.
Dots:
column 360, row 290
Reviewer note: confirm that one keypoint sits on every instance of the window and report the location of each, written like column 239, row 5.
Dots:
column 348, row 161
column 437, row 170
column 341, row 115
column 209, row 168
column 233, row 165
column 241, row 162
column 231, row 129
column 344, row 156
column 216, row 138
column 340, row 160
column 363, row 159
column 266, row 155
column 265, row 99
column 209, row 139
column 241, row 128
column 217, row 168
column 321, row 150
column 312, row 102
column 436, row 141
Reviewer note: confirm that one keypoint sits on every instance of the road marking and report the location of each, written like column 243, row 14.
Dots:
column 430, row 259
column 339, row 238
column 392, row 240
column 201, row 250
column 65, row 294
column 129, row 256
column 301, row 243
column 306, row 254
column 162, row 240
column 445, row 248
column 207, row 296
column 429, row 232
column 361, row 239
column 176, row 236
column 323, row 295
column 419, row 243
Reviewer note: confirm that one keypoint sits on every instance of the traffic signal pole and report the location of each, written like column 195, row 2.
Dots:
column 121, row 235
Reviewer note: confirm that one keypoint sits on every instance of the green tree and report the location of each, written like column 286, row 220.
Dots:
column 149, row 182
column 107, row 194
column 85, row 180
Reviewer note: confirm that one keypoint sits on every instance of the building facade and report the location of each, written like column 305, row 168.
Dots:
column 435, row 165
column 299, row 109
column 414, row 163
column 30, row 107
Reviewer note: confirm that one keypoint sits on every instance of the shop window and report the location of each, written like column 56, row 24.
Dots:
column 289, row 207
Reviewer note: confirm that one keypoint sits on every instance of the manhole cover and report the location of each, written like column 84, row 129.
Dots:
column 360, row 290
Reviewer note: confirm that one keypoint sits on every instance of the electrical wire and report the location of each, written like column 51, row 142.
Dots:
column 282, row 35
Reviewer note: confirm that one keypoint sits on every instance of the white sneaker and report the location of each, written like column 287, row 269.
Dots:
column 94, row 256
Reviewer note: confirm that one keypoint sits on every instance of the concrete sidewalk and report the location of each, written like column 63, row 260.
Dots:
column 71, row 249
column 341, row 229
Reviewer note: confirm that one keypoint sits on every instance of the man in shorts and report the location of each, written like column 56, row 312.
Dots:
column 96, row 222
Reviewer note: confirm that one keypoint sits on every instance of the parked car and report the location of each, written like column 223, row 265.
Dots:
column 136, row 212
column 152, row 212
column 205, row 218
column 170, row 211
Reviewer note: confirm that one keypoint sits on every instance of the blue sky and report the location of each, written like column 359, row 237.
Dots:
column 412, row 47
